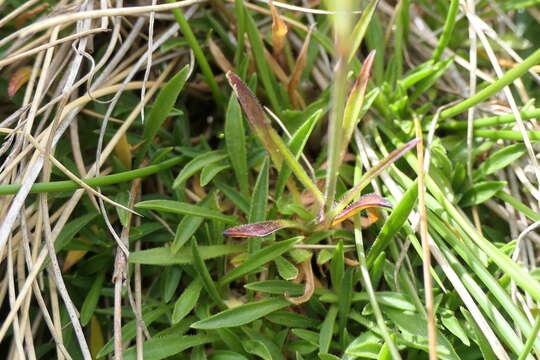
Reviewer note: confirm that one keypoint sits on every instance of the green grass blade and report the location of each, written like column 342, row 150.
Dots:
column 259, row 258
column 359, row 30
column 208, row 283
column 68, row 185
column 499, row 160
column 448, row 30
column 163, row 256
column 199, row 54
column 296, row 146
column 187, row 301
column 162, row 107
column 197, row 163
column 267, row 75
column 393, row 223
column 92, row 298
column 508, row 78
column 241, row 315
column 177, row 207
column 235, row 140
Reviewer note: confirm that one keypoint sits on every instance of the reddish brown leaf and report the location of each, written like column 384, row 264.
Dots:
column 255, row 116
column 258, row 229
column 365, row 202
column 18, row 79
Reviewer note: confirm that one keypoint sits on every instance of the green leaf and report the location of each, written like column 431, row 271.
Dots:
column 259, row 258
column 232, row 194
column 210, row 171
column 257, row 348
column 393, row 223
column 272, row 142
column 361, row 27
column 278, row 287
column 370, row 175
column 414, row 328
column 91, row 300
column 285, row 269
column 327, row 330
column 242, row 314
column 235, row 140
column 259, row 199
column 296, row 145
column 292, row 319
column 481, row 192
column 164, row 103
column 188, row 226
column 71, row 229
column 122, row 198
column 202, row 270
column 164, row 347
column 165, row 256
column 187, row 301
column 129, row 330
column 481, row 340
column 197, row 164
column 170, row 280
column 451, row 322
column 385, row 298
column 182, row 208
column 499, row 160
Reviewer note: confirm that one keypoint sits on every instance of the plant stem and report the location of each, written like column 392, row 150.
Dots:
column 490, row 90
column 67, row 185
column 491, row 121
column 199, row 54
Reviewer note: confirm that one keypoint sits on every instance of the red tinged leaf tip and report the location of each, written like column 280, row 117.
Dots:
column 259, row 229
column 249, row 102
column 365, row 202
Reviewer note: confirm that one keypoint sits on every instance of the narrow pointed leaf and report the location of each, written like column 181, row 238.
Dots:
column 481, row 192
column 242, row 314
column 296, row 145
column 197, row 164
column 361, row 27
column 365, row 202
column 370, row 175
column 182, row 208
column 259, row 229
column 278, row 151
column 500, row 159
column 356, row 100
column 235, row 141
column 259, row 258
column 164, row 255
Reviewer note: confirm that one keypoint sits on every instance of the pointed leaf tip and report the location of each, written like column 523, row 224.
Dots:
column 365, row 202
column 259, row 229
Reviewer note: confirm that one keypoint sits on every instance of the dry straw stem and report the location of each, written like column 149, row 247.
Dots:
column 426, row 265
column 94, row 14
column 14, row 58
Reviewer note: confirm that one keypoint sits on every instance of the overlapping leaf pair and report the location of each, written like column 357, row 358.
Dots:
column 280, row 155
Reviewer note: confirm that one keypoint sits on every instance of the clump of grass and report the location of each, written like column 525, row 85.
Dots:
column 221, row 228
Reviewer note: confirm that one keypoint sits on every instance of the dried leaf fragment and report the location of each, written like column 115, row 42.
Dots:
column 279, row 30
column 18, row 79
column 365, row 202
column 258, row 229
